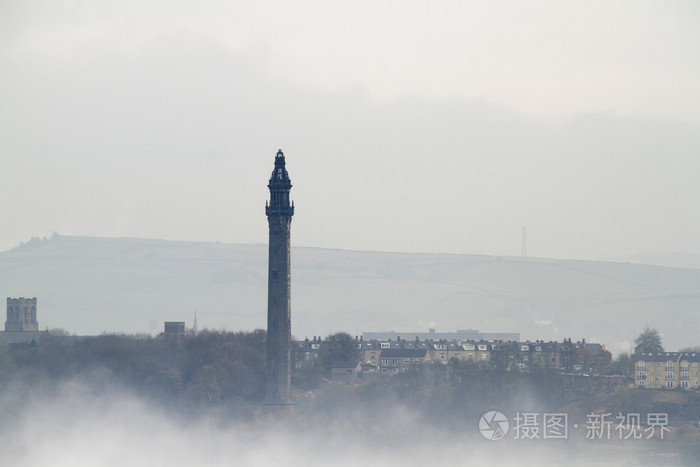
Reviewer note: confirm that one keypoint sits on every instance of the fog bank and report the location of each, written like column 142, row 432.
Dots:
column 73, row 425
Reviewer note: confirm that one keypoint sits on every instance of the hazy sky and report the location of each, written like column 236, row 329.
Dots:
column 408, row 126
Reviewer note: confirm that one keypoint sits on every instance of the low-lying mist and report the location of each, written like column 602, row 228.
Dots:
column 73, row 423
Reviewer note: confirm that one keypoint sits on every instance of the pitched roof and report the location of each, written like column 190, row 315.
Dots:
column 595, row 348
column 668, row 356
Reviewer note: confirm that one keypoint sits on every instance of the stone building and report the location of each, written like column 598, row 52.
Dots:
column 667, row 370
column 402, row 359
column 21, row 314
column 568, row 357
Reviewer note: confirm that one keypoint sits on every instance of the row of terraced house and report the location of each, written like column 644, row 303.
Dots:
column 389, row 356
column 667, row 370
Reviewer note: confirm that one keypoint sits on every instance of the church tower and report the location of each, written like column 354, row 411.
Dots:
column 279, row 213
column 21, row 314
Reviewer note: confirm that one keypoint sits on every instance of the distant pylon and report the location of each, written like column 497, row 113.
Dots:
column 194, row 325
column 524, row 254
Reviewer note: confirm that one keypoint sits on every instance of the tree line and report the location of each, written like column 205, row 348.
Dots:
column 194, row 372
column 215, row 369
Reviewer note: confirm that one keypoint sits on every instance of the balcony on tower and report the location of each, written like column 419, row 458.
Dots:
column 279, row 210
column 279, row 186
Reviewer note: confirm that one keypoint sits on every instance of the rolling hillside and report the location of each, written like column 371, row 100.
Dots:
column 92, row 285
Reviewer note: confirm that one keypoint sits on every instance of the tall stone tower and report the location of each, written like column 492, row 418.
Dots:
column 279, row 319
column 21, row 314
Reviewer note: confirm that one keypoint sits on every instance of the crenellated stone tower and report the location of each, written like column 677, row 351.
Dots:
column 21, row 314
column 279, row 328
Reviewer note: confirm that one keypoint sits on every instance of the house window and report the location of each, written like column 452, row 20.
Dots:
column 669, row 365
column 538, row 348
column 669, row 384
column 640, row 365
column 416, row 360
column 407, row 360
column 468, row 347
column 684, row 384
column 684, row 375
column 524, row 348
column 641, row 382
column 640, row 375
column 482, row 347
column 669, row 375
column 385, row 345
column 684, row 365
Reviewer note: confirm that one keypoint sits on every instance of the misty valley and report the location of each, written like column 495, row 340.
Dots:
column 196, row 399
